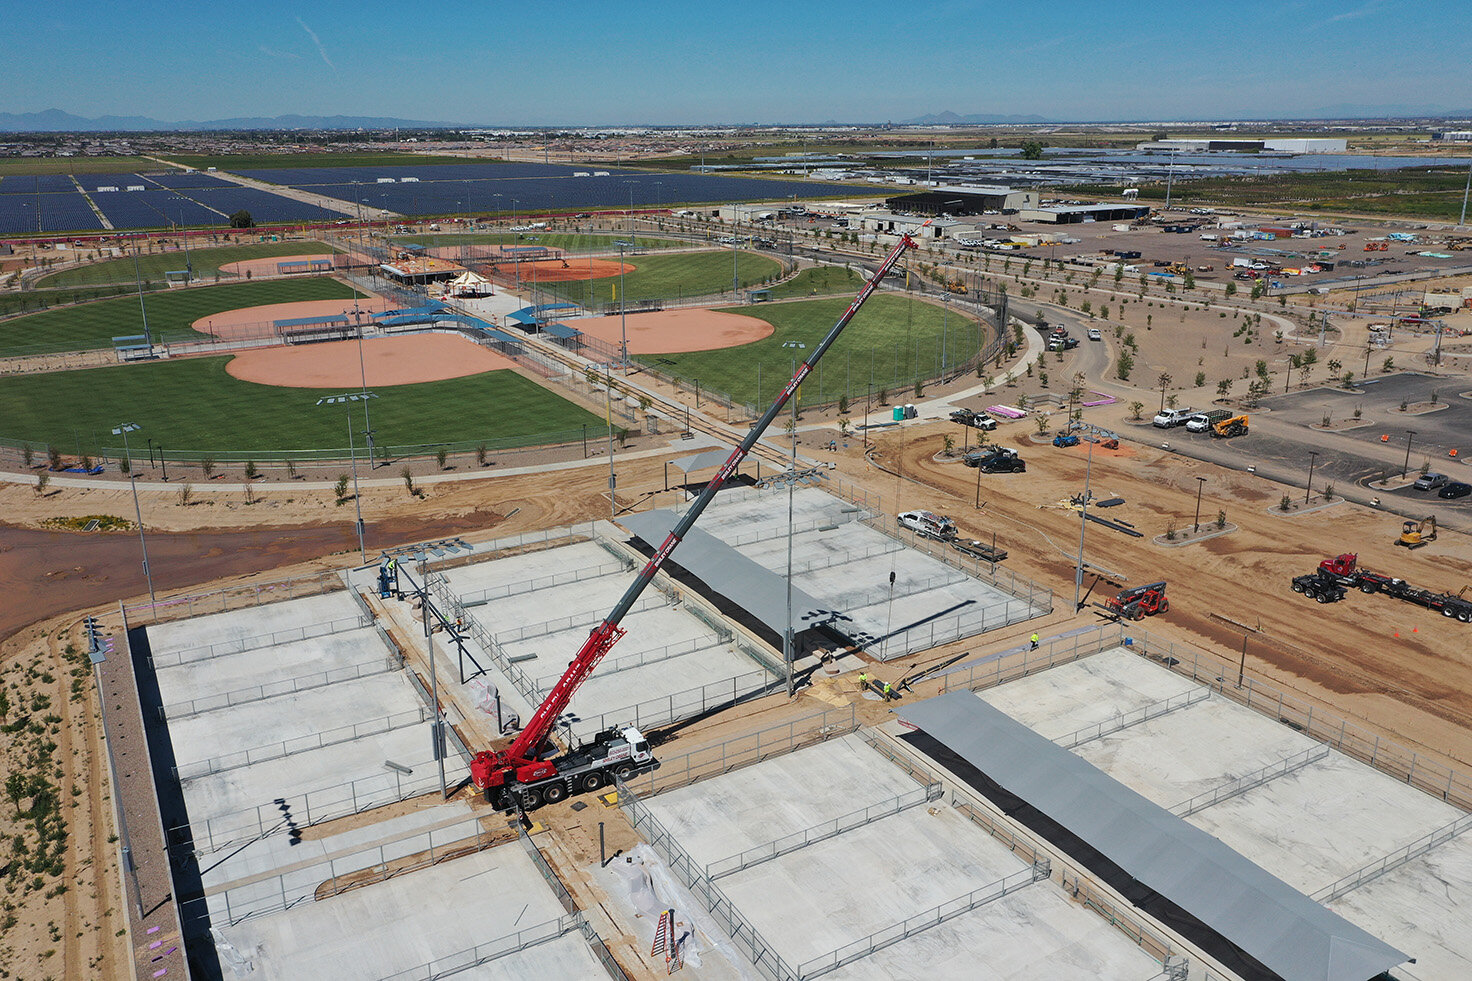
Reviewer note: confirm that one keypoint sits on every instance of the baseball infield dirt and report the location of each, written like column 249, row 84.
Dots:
column 406, row 360
column 247, row 322
column 672, row 331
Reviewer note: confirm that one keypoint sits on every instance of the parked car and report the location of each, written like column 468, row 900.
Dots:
column 1057, row 343
column 1455, row 490
column 1172, row 417
column 929, row 524
column 1065, row 439
column 1431, row 481
column 1095, row 335
column 997, row 459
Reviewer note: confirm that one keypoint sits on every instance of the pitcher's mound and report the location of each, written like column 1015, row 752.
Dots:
column 408, row 360
column 675, row 331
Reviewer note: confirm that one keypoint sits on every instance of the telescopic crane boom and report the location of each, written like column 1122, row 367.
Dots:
column 499, row 771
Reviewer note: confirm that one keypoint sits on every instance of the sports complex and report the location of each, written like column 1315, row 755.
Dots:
column 219, row 344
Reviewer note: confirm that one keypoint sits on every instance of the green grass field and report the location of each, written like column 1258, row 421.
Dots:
column 552, row 240
column 891, row 341
column 206, row 263
column 819, row 281
column 170, row 314
column 192, row 407
column 35, row 300
column 661, row 277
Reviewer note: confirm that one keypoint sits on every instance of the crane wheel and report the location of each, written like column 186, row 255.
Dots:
column 624, row 772
column 591, row 781
column 1447, row 611
column 1321, row 597
column 1298, row 587
column 555, row 792
column 1367, row 588
column 531, row 799
column 1465, row 616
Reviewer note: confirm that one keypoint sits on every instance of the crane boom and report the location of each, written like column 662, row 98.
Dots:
column 519, row 760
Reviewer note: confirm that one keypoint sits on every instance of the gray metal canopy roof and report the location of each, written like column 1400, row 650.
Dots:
column 755, row 589
column 699, row 461
column 1284, row 930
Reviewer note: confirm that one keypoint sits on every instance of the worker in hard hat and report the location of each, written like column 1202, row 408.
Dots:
column 1034, row 639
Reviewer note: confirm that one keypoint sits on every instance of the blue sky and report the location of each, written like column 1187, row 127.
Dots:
column 749, row 61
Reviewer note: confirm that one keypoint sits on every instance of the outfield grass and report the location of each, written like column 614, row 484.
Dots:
column 206, row 263
column 193, row 407
column 170, row 314
column 30, row 300
column 819, row 281
column 552, row 240
column 668, row 277
column 274, row 161
column 892, row 340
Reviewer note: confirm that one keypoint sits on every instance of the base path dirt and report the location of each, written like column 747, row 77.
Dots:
column 407, row 360
column 675, row 331
column 248, row 322
column 270, row 265
column 560, row 270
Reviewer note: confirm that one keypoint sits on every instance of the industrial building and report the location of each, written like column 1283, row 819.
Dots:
column 1287, row 145
column 1069, row 214
column 1453, row 135
column 888, row 223
column 964, row 199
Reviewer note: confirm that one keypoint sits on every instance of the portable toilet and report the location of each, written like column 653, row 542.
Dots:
column 910, row 412
column 899, row 413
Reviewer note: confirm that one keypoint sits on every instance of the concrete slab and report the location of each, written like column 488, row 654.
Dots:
column 1098, row 688
column 811, row 902
column 1423, row 907
column 335, row 654
column 1192, row 750
column 1032, row 935
column 717, row 818
column 397, row 925
column 1318, row 824
column 328, row 712
column 251, row 622
column 530, row 569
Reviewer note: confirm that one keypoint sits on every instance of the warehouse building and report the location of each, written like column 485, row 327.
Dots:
column 964, row 199
column 1069, row 214
column 1287, row 145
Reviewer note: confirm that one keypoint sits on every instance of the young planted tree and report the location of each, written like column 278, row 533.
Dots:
column 1136, row 410
column 43, row 479
column 440, row 456
column 408, row 476
column 251, row 472
column 340, row 489
column 207, row 467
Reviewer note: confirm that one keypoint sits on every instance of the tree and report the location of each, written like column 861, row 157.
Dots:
column 1136, row 409
column 948, row 444
column 207, row 466
column 242, row 219
column 1124, row 365
column 251, row 472
column 480, row 454
column 1231, row 289
column 28, row 454
column 53, row 457
column 408, row 476
column 1190, row 280
column 440, row 456
column 1032, row 150
column 42, row 480
column 1223, row 387
column 341, row 487
column 1200, row 378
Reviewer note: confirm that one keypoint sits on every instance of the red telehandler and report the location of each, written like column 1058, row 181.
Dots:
column 524, row 773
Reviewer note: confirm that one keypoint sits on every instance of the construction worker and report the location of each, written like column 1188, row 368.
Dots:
column 1034, row 638
column 863, row 679
column 886, row 691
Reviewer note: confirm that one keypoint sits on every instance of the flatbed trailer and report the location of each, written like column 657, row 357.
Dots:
column 1335, row 577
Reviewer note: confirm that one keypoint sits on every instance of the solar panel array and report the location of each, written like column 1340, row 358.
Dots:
column 262, row 205
column 454, row 188
column 152, row 208
column 32, row 183
column 59, row 212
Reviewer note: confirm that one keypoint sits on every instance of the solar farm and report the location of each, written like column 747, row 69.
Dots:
column 128, row 201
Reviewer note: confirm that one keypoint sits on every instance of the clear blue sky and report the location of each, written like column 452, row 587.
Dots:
column 499, row 61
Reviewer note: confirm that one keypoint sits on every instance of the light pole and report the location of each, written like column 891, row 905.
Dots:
column 1463, row 220
column 1410, row 434
column 797, row 395
column 735, row 262
column 123, row 430
column 1196, row 522
column 1312, row 458
column 346, row 401
column 437, row 730
column 633, row 235
column 1083, row 523
column 1170, row 179
column 623, row 302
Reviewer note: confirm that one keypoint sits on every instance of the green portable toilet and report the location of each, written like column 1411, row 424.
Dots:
column 899, row 413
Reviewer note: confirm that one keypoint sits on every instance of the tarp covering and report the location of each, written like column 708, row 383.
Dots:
column 1256, row 923
column 757, row 590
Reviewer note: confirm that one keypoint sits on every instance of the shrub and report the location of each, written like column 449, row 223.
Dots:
column 251, row 471
column 341, row 487
column 1328, row 492
column 207, row 466
column 42, row 480
column 480, row 455
column 1285, row 503
column 440, row 456
column 408, row 476
column 1221, row 520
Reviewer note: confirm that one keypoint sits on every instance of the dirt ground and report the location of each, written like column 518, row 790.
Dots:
column 673, row 331
column 562, row 270
column 403, row 360
column 248, row 322
column 268, row 266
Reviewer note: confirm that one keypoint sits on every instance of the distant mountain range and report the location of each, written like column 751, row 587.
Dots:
column 954, row 119
column 57, row 121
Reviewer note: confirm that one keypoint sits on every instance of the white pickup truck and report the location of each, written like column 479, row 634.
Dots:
column 1169, row 418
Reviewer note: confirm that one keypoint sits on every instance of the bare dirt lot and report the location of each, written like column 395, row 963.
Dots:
column 672, row 331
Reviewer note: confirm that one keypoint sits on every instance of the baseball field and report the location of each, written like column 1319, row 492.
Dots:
column 666, row 277
column 206, row 262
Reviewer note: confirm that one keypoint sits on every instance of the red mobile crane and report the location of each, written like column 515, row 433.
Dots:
column 519, row 773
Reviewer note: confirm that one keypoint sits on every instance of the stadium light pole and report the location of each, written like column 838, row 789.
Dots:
column 1083, row 524
column 1463, row 220
column 1196, row 523
column 346, row 401
column 1410, row 435
column 123, row 430
column 623, row 302
column 633, row 235
column 142, row 307
column 1312, row 458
